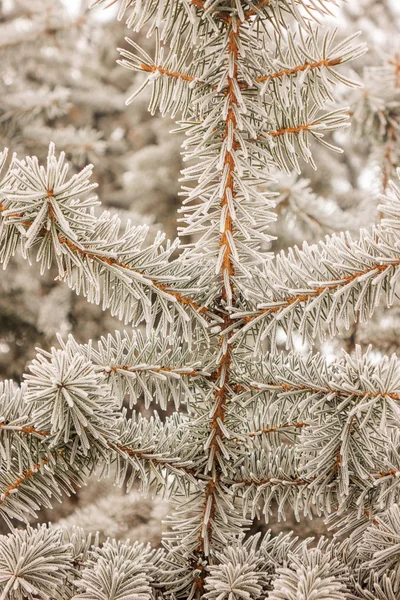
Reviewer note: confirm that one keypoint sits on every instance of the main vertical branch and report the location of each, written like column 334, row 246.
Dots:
column 227, row 270
column 229, row 163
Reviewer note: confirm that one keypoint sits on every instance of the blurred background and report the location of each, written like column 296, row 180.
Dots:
column 59, row 82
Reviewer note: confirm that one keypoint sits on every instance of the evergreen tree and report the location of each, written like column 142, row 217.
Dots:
column 255, row 429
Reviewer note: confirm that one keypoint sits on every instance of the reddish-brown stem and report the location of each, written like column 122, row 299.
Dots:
column 222, row 374
column 154, row 369
column 28, row 429
column 174, row 74
column 294, row 130
column 277, row 428
column 326, row 62
column 24, row 477
column 227, row 264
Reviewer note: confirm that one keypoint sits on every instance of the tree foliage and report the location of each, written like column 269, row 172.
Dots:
column 254, row 430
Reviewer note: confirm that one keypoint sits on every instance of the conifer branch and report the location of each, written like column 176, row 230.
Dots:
column 374, row 268
column 21, row 480
column 129, row 451
column 108, row 261
column 300, row 388
column 79, row 259
column 152, row 283
column 337, row 280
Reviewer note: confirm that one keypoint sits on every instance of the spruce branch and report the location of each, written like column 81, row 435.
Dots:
column 62, row 440
column 48, row 215
column 380, row 547
column 156, row 367
column 329, row 283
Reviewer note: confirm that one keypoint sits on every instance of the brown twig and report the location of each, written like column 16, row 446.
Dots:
column 159, row 69
column 326, row 62
column 24, row 477
column 222, row 375
column 277, row 428
column 154, row 369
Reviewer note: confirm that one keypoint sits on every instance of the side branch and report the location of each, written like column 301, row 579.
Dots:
column 173, row 463
column 376, row 268
column 177, row 371
column 146, row 456
column 285, row 387
column 91, row 254
column 325, row 62
column 298, row 481
column 186, row 301
column 295, row 130
column 277, row 428
column 321, row 284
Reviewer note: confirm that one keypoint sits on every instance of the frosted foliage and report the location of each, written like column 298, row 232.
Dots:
column 34, row 562
column 316, row 574
column 237, row 576
column 220, row 393
column 72, row 395
column 115, row 572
